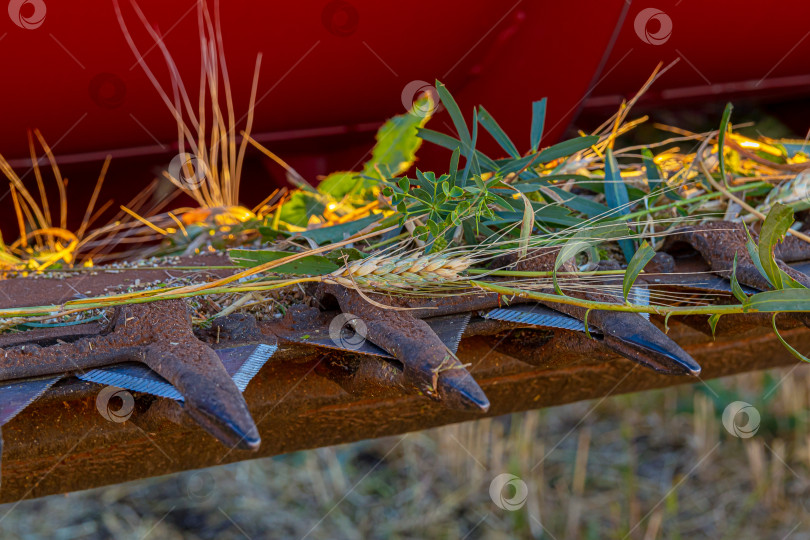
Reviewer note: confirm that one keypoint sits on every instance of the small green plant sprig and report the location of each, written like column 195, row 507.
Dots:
column 443, row 204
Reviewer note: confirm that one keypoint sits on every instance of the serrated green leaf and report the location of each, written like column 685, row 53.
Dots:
column 311, row 265
column 338, row 184
column 397, row 141
column 538, row 120
column 644, row 254
column 489, row 123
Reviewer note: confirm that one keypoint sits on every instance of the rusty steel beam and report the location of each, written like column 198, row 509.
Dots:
column 62, row 442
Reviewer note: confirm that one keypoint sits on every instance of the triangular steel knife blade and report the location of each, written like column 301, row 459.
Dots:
column 17, row 395
column 712, row 282
column 449, row 328
column 242, row 363
column 802, row 266
column 640, row 296
column 539, row 316
column 703, row 282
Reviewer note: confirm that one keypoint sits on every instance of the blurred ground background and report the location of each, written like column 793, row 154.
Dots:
column 658, row 464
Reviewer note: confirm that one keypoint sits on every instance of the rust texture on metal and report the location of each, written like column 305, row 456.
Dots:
column 316, row 390
column 159, row 335
column 61, row 443
column 718, row 242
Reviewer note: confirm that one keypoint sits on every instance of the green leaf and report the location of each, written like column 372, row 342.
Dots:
column 651, row 169
column 780, row 300
column 336, row 233
column 736, row 290
column 446, row 141
column 300, row 207
column 341, row 255
column 776, row 225
column 338, row 184
column 617, row 198
column 585, row 322
column 526, row 226
column 721, row 141
column 563, row 149
column 779, row 219
column 453, row 171
column 583, row 240
column 489, row 123
column 311, row 265
column 655, row 178
column 455, row 114
column 635, row 266
column 792, row 351
column 753, row 252
column 472, row 164
column 397, row 141
column 538, row 119
column 578, row 203
column 713, row 320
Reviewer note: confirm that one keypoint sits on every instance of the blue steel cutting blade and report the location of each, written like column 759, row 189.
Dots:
column 704, row 282
column 640, row 296
column 242, row 363
column 539, row 316
column 17, row 395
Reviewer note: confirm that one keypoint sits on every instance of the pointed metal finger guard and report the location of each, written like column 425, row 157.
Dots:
column 159, row 335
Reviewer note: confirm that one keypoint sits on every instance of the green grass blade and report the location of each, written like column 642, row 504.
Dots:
column 651, row 169
column 635, row 266
column 736, row 290
column 776, row 224
column 472, row 163
column 446, row 141
column 787, row 345
column 560, row 150
column 721, row 141
column 492, row 127
column 583, row 240
column 538, row 121
column 311, row 265
column 617, row 198
column 455, row 114
column 453, row 171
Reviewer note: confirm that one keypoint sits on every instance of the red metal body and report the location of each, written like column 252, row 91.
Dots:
column 333, row 70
